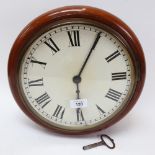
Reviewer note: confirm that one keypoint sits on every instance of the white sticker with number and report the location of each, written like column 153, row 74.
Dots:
column 79, row 103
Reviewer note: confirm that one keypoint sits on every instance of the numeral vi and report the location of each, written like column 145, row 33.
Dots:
column 79, row 115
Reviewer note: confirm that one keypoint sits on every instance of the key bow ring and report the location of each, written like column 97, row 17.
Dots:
column 102, row 142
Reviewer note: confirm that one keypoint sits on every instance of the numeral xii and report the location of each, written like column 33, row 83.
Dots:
column 74, row 38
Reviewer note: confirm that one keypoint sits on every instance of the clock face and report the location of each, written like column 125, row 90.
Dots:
column 76, row 76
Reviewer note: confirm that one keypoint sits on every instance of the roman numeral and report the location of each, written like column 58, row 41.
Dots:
column 101, row 111
column 43, row 64
column 74, row 38
column 112, row 56
column 38, row 82
column 113, row 94
column 59, row 112
column 79, row 115
column 52, row 45
column 43, row 100
column 119, row 76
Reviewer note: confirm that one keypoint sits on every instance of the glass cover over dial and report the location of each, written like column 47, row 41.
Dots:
column 76, row 76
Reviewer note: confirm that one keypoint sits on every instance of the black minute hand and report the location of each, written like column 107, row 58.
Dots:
column 90, row 52
column 77, row 78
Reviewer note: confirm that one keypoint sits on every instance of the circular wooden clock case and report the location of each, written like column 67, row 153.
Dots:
column 47, row 56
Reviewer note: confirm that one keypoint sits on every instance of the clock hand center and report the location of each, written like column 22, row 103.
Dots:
column 77, row 80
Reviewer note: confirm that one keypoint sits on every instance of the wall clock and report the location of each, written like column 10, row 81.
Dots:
column 76, row 70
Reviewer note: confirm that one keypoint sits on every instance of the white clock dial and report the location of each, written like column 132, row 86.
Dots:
column 57, row 56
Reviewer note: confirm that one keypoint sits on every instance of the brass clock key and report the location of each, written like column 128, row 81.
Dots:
column 102, row 142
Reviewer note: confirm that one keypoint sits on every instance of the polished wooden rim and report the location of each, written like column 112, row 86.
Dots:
column 51, row 18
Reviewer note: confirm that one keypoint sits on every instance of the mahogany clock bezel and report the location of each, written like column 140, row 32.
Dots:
column 99, row 18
